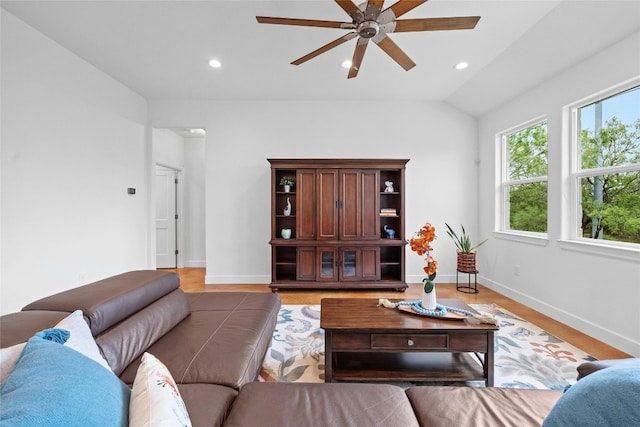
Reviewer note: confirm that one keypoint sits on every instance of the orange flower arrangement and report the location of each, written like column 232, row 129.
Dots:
column 421, row 244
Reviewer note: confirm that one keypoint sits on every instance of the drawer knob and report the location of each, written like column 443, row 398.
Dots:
column 410, row 342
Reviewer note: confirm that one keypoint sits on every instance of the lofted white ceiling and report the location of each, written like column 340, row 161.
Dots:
column 161, row 49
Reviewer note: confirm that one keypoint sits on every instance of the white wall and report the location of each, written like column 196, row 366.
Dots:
column 597, row 293
column 73, row 141
column 441, row 174
column 194, row 201
column 168, row 148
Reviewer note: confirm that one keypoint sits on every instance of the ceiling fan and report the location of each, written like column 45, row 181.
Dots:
column 370, row 22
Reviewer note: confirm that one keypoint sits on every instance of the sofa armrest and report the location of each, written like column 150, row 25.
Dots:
column 587, row 368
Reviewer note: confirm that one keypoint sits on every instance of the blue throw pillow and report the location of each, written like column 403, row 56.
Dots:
column 54, row 385
column 609, row 397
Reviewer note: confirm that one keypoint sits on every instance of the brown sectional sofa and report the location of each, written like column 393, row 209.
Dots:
column 214, row 344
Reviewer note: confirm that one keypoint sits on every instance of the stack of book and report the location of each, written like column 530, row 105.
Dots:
column 388, row 212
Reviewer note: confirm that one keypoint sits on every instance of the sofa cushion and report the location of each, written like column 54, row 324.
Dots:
column 316, row 404
column 609, row 397
column 71, row 389
column 223, row 341
column 470, row 406
column 18, row 327
column 207, row 404
column 155, row 398
column 107, row 302
column 126, row 341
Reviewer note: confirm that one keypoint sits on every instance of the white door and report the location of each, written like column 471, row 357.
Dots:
column 166, row 218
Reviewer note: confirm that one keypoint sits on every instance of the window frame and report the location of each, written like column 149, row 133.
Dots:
column 574, row 239
column 502, row 229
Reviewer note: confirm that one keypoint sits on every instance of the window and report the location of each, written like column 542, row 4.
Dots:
column 606, row 176
column 524, row 178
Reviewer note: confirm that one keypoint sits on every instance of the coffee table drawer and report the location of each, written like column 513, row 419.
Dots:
column 409, row 342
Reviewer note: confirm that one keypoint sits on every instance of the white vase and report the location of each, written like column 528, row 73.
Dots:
column 287, row 188
column 429, row 299
column 287, row 209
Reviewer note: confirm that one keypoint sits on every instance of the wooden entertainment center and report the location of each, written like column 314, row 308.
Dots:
column 336, row 212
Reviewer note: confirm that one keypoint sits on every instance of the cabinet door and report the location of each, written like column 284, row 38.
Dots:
column 327, row 260
column 370, row 260
column 360, row 211
column 327, row 192
column 351, row 204
column 306, row 204
column 306, row 263
column 350, row 264
column 370, row 212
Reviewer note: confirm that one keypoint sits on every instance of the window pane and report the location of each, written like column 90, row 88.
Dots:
column 610, row 131
column 611, row 207
column 528, row 207
column 527, row 152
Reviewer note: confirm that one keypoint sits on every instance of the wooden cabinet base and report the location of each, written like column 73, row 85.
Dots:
column 398, row 286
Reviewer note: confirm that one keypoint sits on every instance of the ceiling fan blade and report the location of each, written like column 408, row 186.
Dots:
column 373, row 9
column 396, row 53
column 352, row 10
column 404, row 6
column 325, row 48
column 358, row 54
column 304, row 22
column 436, row 24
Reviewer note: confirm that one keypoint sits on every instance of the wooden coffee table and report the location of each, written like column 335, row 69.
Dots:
column 367, row 342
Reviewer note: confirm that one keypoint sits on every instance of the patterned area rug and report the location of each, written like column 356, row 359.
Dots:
column 526, row 356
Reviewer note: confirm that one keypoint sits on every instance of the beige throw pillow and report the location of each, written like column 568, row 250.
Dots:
column 155, row 399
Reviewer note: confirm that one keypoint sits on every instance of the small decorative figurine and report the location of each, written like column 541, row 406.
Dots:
column 287, row 209
column 389, row 187
column 391, row 233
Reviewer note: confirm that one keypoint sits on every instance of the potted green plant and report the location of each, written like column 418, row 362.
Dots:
column 465, row 249
column 287, row 182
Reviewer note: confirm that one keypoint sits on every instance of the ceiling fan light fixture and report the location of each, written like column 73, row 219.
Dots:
column 346, row 64
column 214, row 63
column 462, row 65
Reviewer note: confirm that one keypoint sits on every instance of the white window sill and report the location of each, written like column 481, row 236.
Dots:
column 622, row 251
column 537, row 239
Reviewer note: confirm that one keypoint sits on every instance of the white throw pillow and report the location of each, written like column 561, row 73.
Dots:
column 8, row 358
column 81, row 339
column 155, row 399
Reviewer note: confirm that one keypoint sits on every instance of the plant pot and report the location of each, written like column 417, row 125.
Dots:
column 466, row 262
column 287, row 188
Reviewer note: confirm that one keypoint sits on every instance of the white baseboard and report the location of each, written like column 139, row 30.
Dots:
column 211, row 279
column 585, row 326
column 195, row 264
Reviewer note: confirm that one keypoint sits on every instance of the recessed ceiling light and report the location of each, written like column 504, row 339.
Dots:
column 462, row 65
column 197, row 131
column 346, row 63
column 215, row 63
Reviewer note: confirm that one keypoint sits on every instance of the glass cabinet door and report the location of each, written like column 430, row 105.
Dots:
column 349, row 264
column 327, row 259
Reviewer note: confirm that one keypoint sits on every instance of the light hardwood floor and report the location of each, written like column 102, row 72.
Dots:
column 192, row 280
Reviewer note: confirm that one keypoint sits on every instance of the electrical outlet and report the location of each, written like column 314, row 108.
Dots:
column 516, row 270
